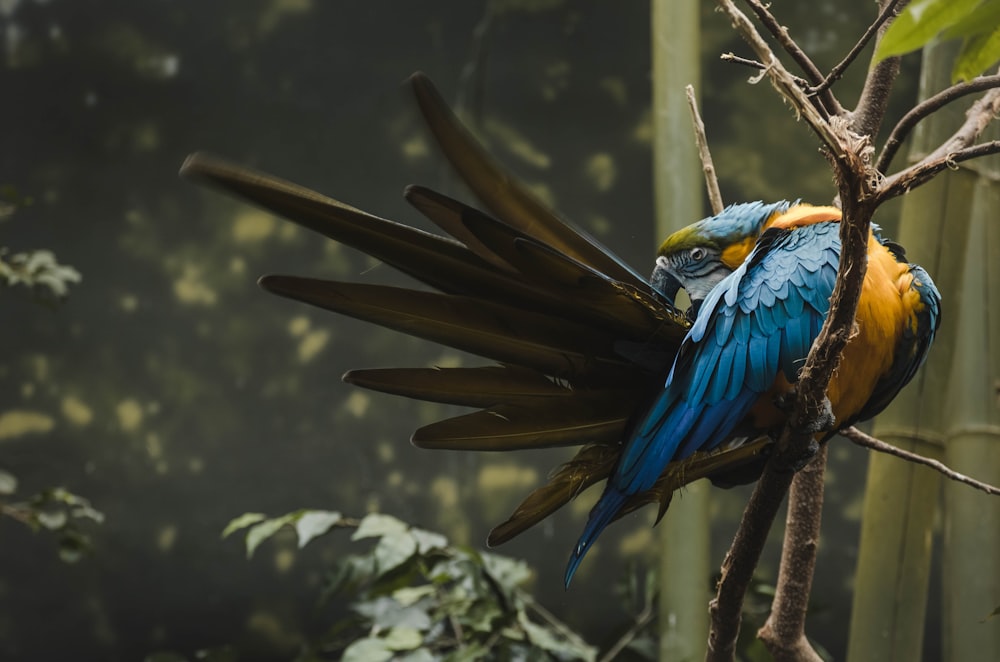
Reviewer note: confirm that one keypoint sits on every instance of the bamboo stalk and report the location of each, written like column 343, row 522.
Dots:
column 971, row 549
column 684, row 566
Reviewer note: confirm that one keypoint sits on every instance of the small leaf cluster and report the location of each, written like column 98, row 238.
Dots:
column 37, row 270
column 975, row 22
column 416, row 597
column 57, row 510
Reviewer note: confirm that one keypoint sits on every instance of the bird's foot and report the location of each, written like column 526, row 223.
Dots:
column 799, row 448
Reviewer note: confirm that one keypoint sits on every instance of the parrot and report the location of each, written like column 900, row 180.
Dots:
column 588, row 352
column 764, row 294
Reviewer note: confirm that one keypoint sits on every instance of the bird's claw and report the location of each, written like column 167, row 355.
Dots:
column 795, row 458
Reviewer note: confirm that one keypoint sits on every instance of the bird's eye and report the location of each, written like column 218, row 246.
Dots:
column 697, row 253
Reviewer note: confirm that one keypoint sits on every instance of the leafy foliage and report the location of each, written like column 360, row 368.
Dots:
column 38, row 270
column 417, row 597
column 56, row 510
column 975, row 22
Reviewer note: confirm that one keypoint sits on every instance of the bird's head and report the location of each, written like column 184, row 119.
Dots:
column 702, row 254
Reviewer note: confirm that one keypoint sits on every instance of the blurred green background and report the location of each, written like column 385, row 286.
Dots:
column 175, row 395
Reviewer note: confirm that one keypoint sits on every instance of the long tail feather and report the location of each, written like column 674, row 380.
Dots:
column 442, row 263
column 451, row 216
column 483, row 386
column 581, row 420
column 591, row 464
column 503, row 194
column 604, row 512
column 549, row 345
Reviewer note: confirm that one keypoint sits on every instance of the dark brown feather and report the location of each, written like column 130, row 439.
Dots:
column 483, row 386
column 548, row 344
column 503, row 194
column 449, row 214
column 573, row 421
column 575, row 289
column 595, row 463
column 440, row 262
column 591, row 464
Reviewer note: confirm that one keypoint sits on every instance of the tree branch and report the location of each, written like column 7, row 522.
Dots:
column 959, row 147
column 784, row 631
column 924, row 171
column 754, row 64
column 707, row 166
column 726, row 607
column 927, row 107
column 871, row 443
column 783, row 81
column 827, row 103
column 888, row 11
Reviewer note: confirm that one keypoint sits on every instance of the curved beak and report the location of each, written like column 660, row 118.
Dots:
column 664, row 283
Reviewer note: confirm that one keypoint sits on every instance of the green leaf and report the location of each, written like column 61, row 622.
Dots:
column 409, row 595
column 921, row 21
column 427, row 540
column 983, row 18
column 470, row 653
column 393, row 550
column 419, row 655
column 369, row 649
column 376, row 525
column 481, row 616
column 509, row 573
column 72, row 546
column 403, row 639
column 8, row 482
column 543, row 638
column 978, row 54
column 313, row 523
column 385, row 613
column 261, row 532
column 52, row 520
column 241, row 522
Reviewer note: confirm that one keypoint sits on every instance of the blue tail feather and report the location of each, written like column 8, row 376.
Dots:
column 600, row 516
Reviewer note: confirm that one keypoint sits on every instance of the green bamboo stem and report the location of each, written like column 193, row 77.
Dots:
column 971, row 540
column 684, row 567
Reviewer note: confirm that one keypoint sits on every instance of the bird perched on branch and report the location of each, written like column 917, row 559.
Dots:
column 590, row 353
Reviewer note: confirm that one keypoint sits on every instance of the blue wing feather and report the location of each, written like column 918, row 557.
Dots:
column 750, row 326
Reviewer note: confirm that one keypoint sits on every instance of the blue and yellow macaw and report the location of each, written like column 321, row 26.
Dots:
column 766, row 274
column 588, row 352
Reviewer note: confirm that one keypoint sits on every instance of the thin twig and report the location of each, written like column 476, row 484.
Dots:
column 869, row 112
column 887, row 12
column 551, row 619
column 754, row 64
column 784, row 82
column 642, row 620
column 870, row 442
column 19, row 513
column 707, row 166
column 924, row 171
column 745, row 61
column 827, row 103
column 925, row 108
